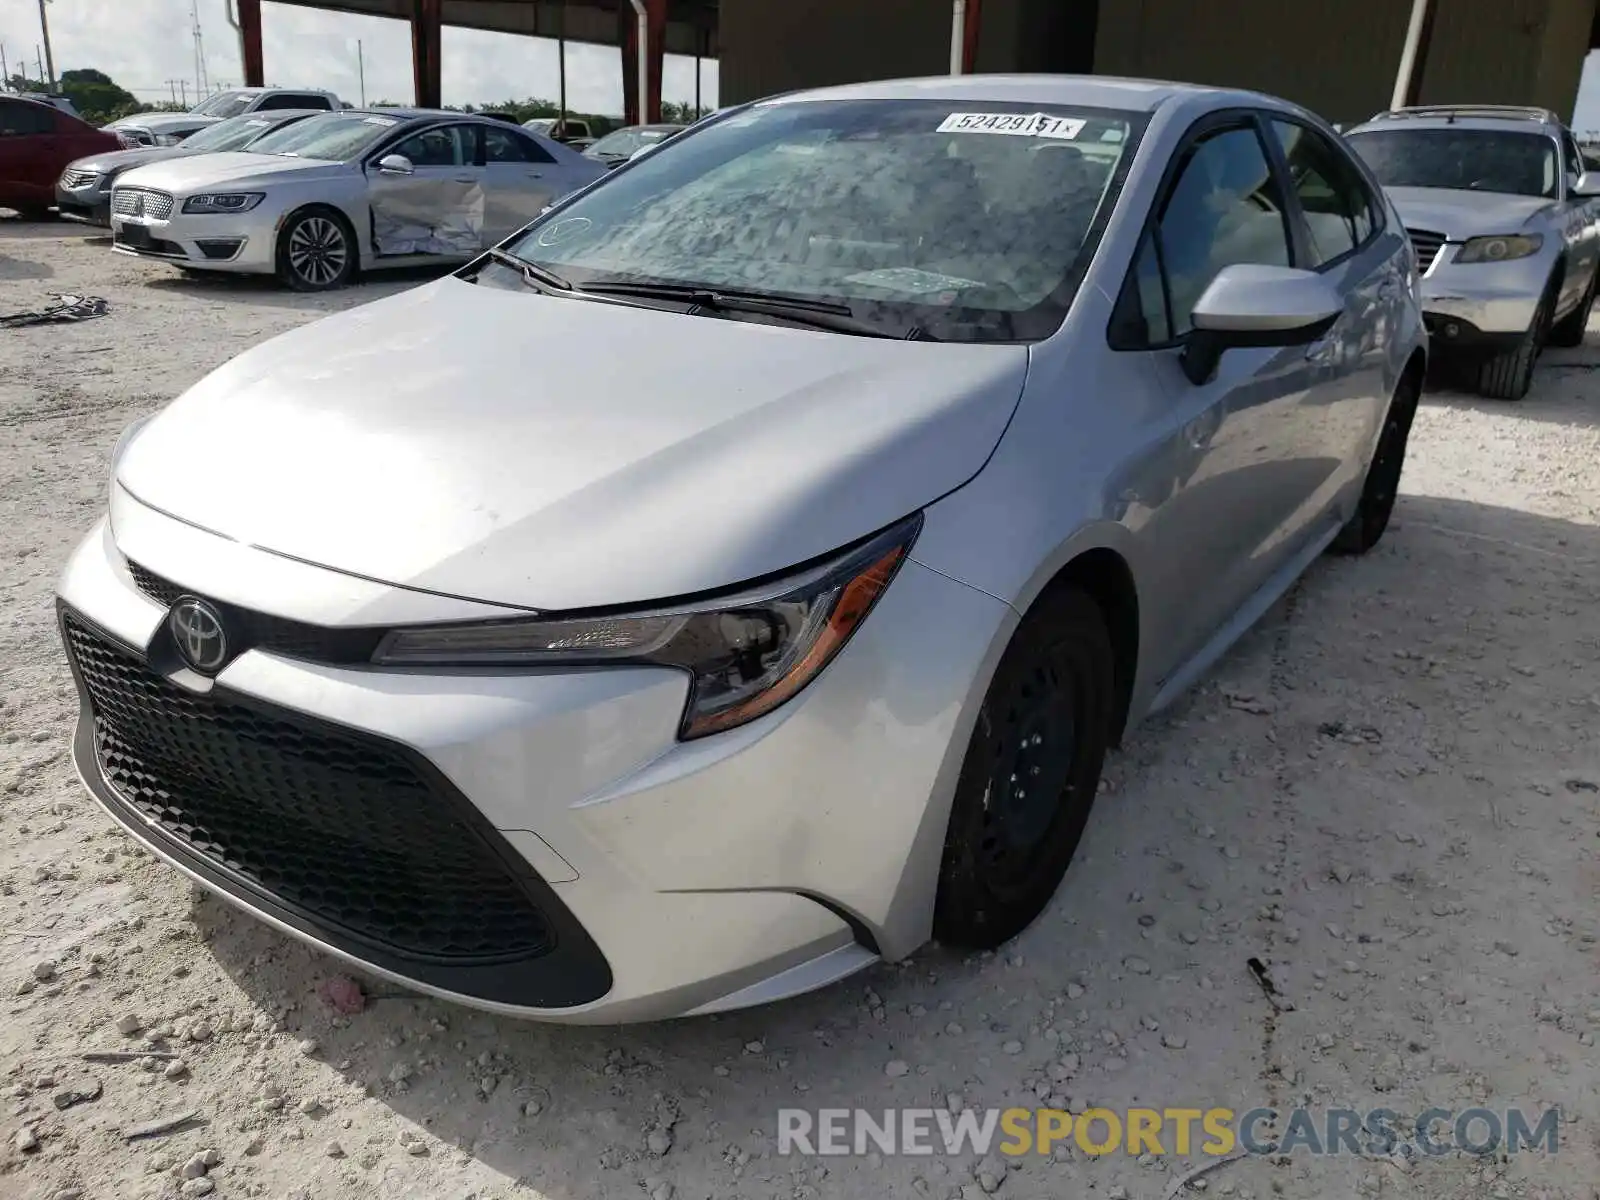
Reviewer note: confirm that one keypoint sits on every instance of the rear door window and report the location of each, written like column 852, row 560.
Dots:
column 19, row 118
column 1333, row 197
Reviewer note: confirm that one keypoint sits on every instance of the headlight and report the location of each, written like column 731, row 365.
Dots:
column 1500, row 248
column 168, row 139
column 125, row 437
column 746, row 654
column 222, row 202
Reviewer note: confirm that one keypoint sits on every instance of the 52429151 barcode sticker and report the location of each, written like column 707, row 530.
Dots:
column 1013, row 124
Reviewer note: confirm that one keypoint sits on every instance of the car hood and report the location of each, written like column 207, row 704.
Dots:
column 163, row 122
column 192, row 172
column 1458, row 213
column 561, row 454
column 123, row 160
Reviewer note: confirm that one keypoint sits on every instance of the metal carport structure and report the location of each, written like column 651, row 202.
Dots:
column 687, row 27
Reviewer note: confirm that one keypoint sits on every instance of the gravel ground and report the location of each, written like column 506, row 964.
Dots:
column 1389, row 793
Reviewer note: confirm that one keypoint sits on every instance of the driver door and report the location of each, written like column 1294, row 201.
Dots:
column 434, row 201
column 1222, row 483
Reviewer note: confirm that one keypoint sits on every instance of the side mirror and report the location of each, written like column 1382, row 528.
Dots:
column 396, row 164
column 1586, row 186
column 642, row 151
column 1250, row 306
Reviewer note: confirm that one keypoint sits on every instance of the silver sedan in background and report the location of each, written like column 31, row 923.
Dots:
column 83, row 193
column 739, row 576
column 344, row 192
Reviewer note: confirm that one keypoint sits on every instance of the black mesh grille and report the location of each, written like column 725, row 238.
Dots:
column 152, row 585
column 340, row 827
column 249, row 630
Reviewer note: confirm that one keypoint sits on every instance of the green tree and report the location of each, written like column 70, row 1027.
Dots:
column 97, row 97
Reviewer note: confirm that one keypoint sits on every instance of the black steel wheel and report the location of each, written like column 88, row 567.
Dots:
column 1363, row 531
column 1030, row 775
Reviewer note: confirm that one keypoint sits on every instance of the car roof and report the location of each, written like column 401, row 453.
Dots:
column 1090, row 91
column 1464, row 116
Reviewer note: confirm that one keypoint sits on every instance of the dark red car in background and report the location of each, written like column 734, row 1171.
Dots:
column 36, row 142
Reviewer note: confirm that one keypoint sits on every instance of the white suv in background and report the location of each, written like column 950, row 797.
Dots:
column 1505, row 221
column 168, row 129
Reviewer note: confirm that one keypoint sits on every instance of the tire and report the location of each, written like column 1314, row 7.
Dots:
column 1047, row 716
column 1365, row 529
column 1569, row 331
column 1508, row 376
column 316, row 251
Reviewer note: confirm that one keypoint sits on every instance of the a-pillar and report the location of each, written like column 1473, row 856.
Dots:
column 628, row 36
column 426, row 24
column 255, row 74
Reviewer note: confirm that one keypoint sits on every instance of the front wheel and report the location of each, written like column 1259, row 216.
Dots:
column 1363, row 531
column 1030, row 774
column 1508, row 376
column 316, row 252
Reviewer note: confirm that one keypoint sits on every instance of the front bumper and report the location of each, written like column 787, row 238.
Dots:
column 674, row 878
column 1488, row 303
column 90, row 204
column 233, row 242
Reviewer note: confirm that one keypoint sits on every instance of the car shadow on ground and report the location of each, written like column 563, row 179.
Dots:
column 570, row 1110
column 264, row 290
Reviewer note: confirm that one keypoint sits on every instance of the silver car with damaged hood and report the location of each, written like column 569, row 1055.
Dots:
column 959, row 424
column 344, row 192
column 1505, row 219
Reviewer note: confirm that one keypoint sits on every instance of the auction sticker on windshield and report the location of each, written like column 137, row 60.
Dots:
column 1013, row 124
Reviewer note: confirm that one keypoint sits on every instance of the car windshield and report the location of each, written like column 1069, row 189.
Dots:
column 971, row 222
column 540, row 124
column 230, row 134
column 1480, row 160
column 336, row 137
column 625, row 142
column 223, row 104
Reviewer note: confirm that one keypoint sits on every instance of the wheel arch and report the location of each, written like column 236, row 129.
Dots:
column 1107, row 578
column 332, row 209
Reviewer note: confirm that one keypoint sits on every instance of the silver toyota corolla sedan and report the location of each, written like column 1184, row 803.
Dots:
column 739, row 576
column 343, row 192
column 1505, row 218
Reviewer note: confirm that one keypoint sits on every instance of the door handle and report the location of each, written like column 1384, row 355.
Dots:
column 535, row 174
column 465, row 179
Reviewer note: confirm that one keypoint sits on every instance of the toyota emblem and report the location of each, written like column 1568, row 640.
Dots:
column 197, row 629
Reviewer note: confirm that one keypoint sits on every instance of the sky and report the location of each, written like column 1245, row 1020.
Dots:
column 143, row 44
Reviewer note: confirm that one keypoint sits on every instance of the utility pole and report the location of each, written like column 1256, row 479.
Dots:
column 173, row 84
column 183, row 90
column 561, row 63
column 361, row 68
column 50, row 62
column 5, row 71
column 38, row 61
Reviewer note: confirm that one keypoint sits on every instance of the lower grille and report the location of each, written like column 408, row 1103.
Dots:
column 1427, row 245
column 342, row 828
column 137, row 202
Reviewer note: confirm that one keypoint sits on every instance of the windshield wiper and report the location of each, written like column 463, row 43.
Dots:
column 534, row 275
column 819, row 314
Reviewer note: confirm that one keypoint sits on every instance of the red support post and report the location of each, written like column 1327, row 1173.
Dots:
column 657, row 22
column 635, row 113
column 969, row 36
column 426, row 28
column 255, row 73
